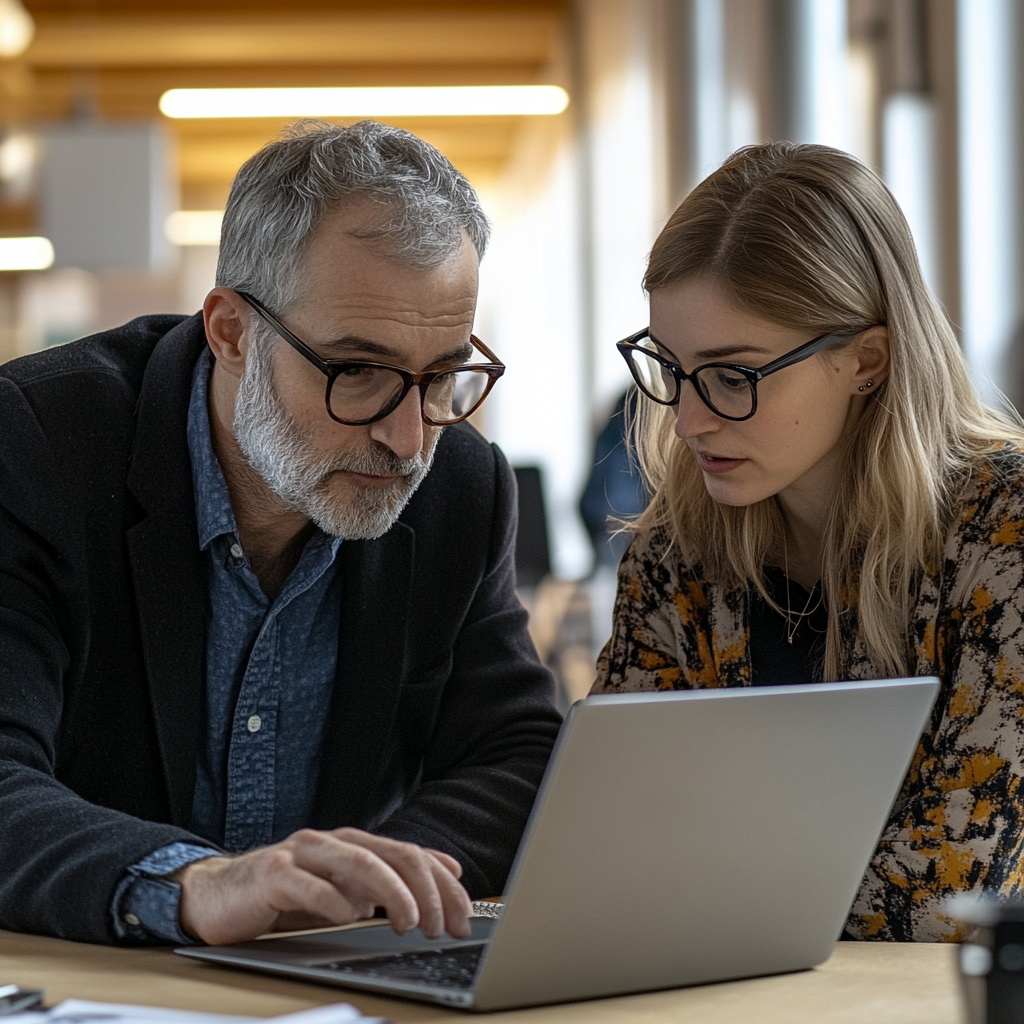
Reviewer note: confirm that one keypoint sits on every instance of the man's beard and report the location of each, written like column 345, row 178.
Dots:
column 283, row 454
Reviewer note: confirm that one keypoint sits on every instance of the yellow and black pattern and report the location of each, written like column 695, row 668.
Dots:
column 958, row 824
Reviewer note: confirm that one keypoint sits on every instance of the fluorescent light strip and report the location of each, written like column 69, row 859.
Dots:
column 194, row 227
column 398, row 101
column 33, row 253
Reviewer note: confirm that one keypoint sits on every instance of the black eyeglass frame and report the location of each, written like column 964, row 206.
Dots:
column 331, row 368
column 797, row 355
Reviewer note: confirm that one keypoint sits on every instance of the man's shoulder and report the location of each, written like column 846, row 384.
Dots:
column 466, row 474
column 120, row 353
column 465, row 448
column 85, row 396
column 463, row 457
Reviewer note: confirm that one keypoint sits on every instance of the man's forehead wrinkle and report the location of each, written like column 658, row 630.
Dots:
column 354, row 342
column 394, row 326
column 413, row 315
column 381, row 308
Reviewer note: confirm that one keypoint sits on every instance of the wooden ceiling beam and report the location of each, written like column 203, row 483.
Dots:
column 114, row 58
column 360, row 38
column 155, row 80
column 244, row 8
column 54, row 93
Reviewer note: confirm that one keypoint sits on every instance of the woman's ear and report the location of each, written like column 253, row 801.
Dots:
column 871, row 348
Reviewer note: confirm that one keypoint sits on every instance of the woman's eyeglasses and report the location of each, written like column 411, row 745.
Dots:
column 727, row 389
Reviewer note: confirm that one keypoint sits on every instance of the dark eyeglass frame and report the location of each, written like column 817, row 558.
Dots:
column 332, row 368
column 797, row 355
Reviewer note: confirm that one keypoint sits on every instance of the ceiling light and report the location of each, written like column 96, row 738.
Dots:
column 16, row 28
column 17, row 156
column 194, row 227
column 33, row 253
column 398, row 101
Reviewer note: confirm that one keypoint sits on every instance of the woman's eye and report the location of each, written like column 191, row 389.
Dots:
column 730, row 380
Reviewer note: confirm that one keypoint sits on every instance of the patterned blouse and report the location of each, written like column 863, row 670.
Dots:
column 957, row 824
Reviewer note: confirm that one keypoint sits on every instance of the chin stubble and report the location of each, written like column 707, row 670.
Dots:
column 283, row 454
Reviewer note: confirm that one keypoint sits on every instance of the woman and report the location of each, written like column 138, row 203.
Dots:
column 832, row 501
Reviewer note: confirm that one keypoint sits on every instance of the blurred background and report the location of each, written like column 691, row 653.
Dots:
column 110, row 208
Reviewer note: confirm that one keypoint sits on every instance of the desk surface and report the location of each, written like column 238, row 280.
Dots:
column 880, row 983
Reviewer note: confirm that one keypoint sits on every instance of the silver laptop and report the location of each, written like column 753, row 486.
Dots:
column 678, row 838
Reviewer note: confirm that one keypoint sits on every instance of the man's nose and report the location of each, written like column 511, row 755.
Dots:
column 693, row 417
column 402, row 429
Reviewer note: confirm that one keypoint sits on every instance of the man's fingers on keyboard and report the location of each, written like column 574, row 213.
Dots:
column 431, row 878
column 418, row 870
column 448, row 861
column 299, row 890
column 359, row 875
column 455, row 901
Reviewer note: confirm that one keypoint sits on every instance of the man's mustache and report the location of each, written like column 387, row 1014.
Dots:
column 378, row 460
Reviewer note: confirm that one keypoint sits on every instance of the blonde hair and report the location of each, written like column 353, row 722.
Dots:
column 809, row 238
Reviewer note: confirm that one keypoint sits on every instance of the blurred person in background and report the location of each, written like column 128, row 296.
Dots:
column 262, row 665
column 614, row 491
column 831, row 500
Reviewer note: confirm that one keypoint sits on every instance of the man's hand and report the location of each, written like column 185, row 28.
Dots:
column 314, row 879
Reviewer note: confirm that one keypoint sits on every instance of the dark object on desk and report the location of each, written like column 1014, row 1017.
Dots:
column 533, row 553
column 992, row 962
column 14, row 999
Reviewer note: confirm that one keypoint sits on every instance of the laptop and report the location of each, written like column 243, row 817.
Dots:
column 678, row 838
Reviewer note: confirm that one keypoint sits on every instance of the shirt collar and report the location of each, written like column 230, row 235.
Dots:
column 213, row 503
column 214, row 515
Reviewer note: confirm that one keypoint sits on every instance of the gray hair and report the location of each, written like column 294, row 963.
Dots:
column 280, row 195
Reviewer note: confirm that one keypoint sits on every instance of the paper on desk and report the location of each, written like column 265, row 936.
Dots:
column 80, row 1011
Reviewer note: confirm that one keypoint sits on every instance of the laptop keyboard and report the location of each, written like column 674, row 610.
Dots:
column 446, row 968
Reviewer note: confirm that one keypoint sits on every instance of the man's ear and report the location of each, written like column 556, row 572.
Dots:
column 872, row 350
column 226, row 316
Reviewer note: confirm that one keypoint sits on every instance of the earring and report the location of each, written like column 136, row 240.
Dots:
column 870, row 382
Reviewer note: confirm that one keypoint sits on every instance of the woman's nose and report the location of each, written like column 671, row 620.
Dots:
column 693, row 417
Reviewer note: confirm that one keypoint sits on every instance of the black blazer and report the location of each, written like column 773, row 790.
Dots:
column 441, row 720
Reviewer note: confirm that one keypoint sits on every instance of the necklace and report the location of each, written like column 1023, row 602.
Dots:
column 791, row 626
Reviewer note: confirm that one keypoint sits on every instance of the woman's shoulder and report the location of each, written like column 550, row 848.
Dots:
column 990, row 507
column 654, row 554
column 673, row 628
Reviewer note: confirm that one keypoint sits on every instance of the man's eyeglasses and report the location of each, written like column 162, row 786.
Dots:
column 727, row 389
column 361, row 392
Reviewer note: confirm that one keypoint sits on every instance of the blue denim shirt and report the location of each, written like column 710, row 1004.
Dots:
column 270, row 667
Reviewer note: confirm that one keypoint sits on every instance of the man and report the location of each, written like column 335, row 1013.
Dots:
column 258, row 669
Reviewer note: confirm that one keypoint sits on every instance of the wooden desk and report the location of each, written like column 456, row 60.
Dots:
column 873, row 983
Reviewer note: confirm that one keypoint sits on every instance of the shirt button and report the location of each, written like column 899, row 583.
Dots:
column 254, row 723
column 236, row 550
column 132, row 920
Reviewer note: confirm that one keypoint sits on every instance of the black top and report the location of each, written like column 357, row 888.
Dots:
column 441, row 720
column 774, row 661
